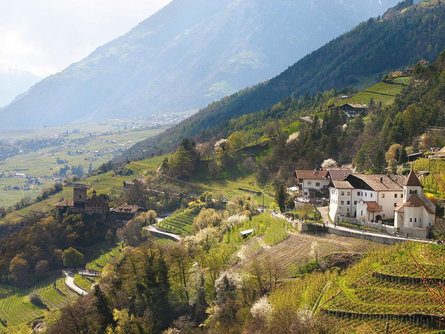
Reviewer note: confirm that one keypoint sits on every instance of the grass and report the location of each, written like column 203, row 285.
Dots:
column 102, row 258
column 274, row 230
column 380, row 92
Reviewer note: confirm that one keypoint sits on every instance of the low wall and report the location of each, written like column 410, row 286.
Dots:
column 382, row 227
column 362, row 235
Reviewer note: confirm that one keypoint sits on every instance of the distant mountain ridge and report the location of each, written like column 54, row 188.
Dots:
column 14, row 82
column 357, row 58
column 187, row 55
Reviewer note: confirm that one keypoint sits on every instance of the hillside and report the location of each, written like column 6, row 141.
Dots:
column 185, row 56
column 357, row 58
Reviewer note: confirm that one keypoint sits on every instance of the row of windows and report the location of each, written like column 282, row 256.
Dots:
column 415, row 220
column 316, row 184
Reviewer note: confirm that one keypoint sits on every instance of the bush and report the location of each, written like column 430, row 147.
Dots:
column 309, row 267
column 36, row 300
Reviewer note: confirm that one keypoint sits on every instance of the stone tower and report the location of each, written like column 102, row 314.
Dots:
column 79, row 196
column 411, row 186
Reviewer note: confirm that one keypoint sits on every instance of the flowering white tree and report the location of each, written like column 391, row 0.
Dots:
column 329, row 163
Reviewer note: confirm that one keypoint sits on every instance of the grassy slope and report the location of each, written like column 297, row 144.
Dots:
column 380, row 92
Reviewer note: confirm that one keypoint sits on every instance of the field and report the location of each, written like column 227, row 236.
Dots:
column 300, row 248
column 84, row 148
column 180, row 223
column 389, row 283
column 16, row 308
column 380, row 92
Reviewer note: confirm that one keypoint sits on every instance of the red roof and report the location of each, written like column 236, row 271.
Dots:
column 311, row 174
column 416, row 202
column 127, row 209
column 64, row 204
column 373, row 206
column 412, row 180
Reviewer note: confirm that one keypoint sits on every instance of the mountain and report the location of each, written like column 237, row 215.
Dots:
column 14, row 82
column 190, row 53
column 406, row 34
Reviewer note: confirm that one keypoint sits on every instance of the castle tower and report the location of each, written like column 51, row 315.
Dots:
column 411, row 186
column 79, row 196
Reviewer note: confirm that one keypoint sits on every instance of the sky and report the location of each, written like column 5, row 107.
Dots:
column 45, row 36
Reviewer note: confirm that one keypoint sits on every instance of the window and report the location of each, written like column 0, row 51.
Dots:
column 349, row 202
column 395, row 204
column 410, row 220
column 370, row 195
column 395, row 195
column 366, row 194
column 349, row 193
column 415, row 220
column 361, row 213
column 420, row 220
column 343, row 193
column 358, row 193
column 309, row 183
column 355, row 202
column 317, row 184
column 383, row 195
column 342, row 202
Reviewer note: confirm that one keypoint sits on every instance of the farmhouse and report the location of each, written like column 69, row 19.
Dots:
column 318, row 180
column 370, row 199
column 352, row 109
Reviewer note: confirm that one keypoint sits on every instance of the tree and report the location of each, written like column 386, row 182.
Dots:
column 379, row 161
column 19, row 270
column 281, row 197
column 72, row 257
column 236, row 140
column 137, row 194
column 207, row 217
column 185, row 161
column 41, row 268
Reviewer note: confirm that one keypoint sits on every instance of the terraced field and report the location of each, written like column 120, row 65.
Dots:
column 180, row 223
column 389, row 287
column 16, row 308
column 380, row 92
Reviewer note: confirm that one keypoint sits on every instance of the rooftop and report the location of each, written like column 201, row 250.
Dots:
column 380, row 182
column 412, row 180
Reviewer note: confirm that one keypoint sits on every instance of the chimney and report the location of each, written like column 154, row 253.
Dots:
column 381, row 179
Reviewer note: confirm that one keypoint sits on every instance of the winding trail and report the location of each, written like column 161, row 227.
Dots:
column 69, row 281
column 153, row 229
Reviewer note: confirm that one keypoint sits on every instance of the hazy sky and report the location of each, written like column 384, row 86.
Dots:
column 45, row 36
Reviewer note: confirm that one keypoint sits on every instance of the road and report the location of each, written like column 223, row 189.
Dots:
column 69, row 281
column 153, row 229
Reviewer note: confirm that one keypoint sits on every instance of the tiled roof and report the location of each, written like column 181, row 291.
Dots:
column 339, row 174
column 355, row 105
column 416, row 202
column 412, row 180
column 373, row 206
column 64, row 204
column 380, row 182
column 127, row 209
column 311, row 174
column 342, row 185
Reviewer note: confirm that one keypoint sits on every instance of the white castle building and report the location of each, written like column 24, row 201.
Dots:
column 378, row 198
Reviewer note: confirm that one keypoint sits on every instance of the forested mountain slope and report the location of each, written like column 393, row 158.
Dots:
column 187, row 55
column 360, row 57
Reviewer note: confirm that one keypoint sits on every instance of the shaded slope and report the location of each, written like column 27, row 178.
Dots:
column 358, row 58
column 190, row 53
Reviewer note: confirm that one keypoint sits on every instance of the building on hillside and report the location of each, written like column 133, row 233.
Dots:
column 318, row 180
column 438, row 154
column 352, row 109
column 415, row 215
column 125, row 212
column 82, row 204
column 371, row 199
